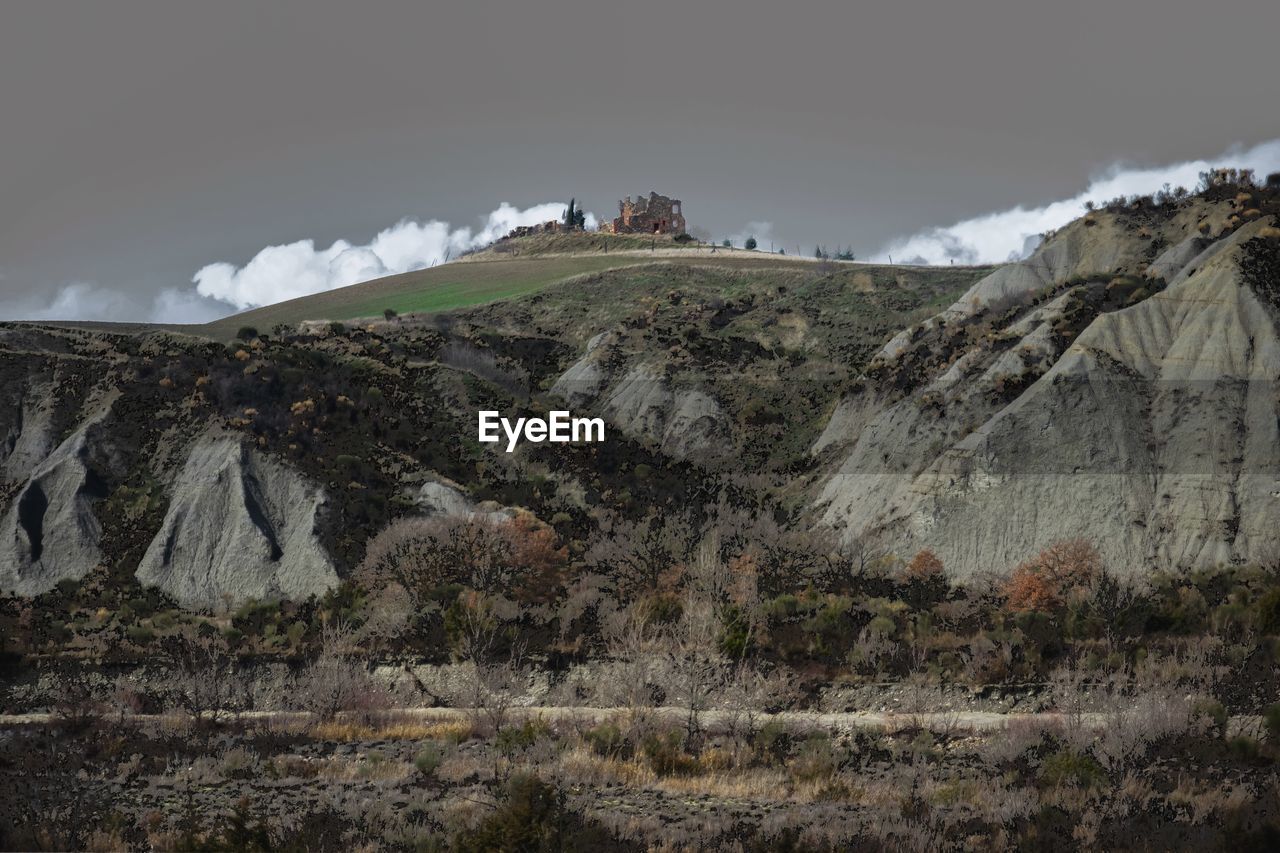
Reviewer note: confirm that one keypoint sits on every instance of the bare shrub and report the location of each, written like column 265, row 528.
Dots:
column 988, row 660
column 465, row 356
column 873, row 649
column 520, row 555
column 390, row 611
column 494, row 675
column 1134, row 724
column 203, row 679
column 1113, row 602
column 636, row 555
column 1072, row 698
column 692, row 668
column 1019, row 735
column 75, row 703
column 1197, row 664
column 750, row 692
column 918, row 697
column 490, row 689
column 125, row 699
column 336, row 682
column 627, row 679
column 586, row 606
column 788, row 557
column 105, row 840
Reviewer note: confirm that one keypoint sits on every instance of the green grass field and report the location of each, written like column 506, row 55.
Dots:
column 466, row 283
column 441, row 288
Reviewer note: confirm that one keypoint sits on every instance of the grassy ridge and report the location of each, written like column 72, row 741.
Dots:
column 436, row 289
column 517, row 268
column 467, row 283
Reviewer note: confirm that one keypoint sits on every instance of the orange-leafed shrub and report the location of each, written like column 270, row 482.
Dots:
column 1045, row 582
column 538, row 556
column 924, row 579
column 924, row 566
column 744, row 580
column 1027, row 589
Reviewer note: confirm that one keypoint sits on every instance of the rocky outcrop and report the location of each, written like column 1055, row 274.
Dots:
column 643, row 403
column 682, row 422
column 28, row 430
column 582, row 382
column 50, row 530
column 1178, row 257
column 1096, row 245
column 240, row 525
column 438, row 498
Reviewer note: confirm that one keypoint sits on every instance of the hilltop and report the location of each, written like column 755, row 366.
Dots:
column 509, row 268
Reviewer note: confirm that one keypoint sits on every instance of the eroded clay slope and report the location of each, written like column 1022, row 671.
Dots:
column 239, row 525
column 641, row 401
column 1152, row 432
column 50, row 530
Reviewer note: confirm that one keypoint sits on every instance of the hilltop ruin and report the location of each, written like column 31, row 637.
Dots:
column 656, row 214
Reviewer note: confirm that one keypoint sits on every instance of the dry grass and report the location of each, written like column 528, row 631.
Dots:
column 579, row 765
column 346, row 732
column 1195, row 802
column 762, row 784
column 717, row 773
column 371, row 767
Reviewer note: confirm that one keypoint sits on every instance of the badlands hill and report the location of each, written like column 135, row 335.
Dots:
column 220, row 470
column 1118, row 384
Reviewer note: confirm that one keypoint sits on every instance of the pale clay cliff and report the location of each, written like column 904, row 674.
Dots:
column 240, row 525
column 1154, row 434
column 50, row 531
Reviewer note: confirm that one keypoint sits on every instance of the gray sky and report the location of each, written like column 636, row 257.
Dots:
column 142, row 141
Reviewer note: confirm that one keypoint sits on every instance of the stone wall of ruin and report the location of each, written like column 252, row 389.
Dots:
column 655, row 214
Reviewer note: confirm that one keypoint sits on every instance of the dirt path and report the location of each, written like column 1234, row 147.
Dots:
column 940, row 722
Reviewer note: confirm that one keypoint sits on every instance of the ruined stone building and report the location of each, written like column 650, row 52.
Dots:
column 656, row 214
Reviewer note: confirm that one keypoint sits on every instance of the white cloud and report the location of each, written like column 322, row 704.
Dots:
column 506, row 217
column 298, row 269
column 82, row 300
column 277, row 273
column 174, row 305
column 1012, row 234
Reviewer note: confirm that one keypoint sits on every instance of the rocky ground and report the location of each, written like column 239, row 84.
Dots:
column 404, row 781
